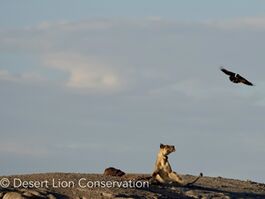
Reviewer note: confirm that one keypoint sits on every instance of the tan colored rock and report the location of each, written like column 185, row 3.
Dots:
column 50, row 196
column 33, row 193
column 28, row 194
column 191, row 194
column 107, row 195
column 13, row 195
column 43, row 191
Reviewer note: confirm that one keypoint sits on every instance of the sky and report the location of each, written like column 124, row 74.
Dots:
column 90, row 84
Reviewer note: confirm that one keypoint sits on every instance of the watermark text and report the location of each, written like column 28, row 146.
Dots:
column 78, row 183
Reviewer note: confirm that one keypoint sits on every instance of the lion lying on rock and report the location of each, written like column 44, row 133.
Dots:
column 163, row 172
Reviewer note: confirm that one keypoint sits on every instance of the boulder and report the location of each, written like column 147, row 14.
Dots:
column 111, row 171
column 13, row 195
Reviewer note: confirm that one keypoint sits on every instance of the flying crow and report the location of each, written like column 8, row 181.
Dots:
column 236, row 78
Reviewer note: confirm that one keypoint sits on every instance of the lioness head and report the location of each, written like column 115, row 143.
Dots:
column 167, row 149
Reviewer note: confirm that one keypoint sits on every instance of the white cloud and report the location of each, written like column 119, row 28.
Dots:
column 85, row 78
column 73, row 26
column 250, row 23
column 84, row 72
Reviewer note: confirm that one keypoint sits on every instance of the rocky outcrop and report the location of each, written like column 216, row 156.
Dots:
column 25, row 194
column 204, row 188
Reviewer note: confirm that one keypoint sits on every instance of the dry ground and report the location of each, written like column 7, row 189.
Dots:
column 79, row 186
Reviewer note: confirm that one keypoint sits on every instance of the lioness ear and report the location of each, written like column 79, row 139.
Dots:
column 161, row 146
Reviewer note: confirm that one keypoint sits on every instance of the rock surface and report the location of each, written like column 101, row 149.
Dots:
column 13, row 195
column 94, row 186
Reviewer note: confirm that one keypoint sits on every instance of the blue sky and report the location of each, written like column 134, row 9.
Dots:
column 19, row 13
column 92, row 84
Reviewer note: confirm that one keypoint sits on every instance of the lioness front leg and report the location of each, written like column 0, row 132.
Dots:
column 156, row 178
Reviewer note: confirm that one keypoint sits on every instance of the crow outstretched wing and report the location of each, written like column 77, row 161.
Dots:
column 243, row 80
column 227, row 72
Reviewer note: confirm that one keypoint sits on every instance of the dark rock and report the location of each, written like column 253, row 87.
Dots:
column 111, row 171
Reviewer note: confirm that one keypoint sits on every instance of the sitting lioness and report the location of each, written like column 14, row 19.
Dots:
column 163, row 172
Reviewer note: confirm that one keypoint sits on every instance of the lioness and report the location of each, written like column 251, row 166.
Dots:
column 163, row 172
